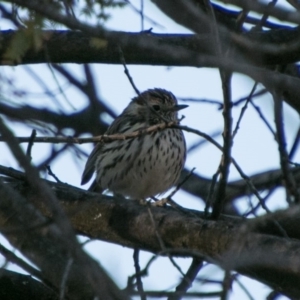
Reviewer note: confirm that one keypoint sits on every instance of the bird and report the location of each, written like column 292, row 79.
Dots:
column 147, row 165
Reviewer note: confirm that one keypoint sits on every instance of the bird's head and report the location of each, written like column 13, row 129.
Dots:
column 155, row 106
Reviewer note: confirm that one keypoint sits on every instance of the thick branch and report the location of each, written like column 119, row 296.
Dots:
column 175, row 50
column 18, row 286
column 267, row 258
column 199, row 186
column 89, row 120
column 42, row 242
column 78, row 47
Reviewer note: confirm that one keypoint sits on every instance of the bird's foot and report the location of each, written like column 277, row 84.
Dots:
column 160, row 203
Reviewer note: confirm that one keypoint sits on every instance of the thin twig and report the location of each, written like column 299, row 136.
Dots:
column 257, row 94
column 256, row 207
column 30, row 144
column 10, row 16
column 227, row 140
column 243, row 288
column 180, row 184
column 90, row 86
column 194, row 295
column 200, row 133
column 11, row 257
column 291, row 187
column 126, row 71
column 263, row 118
column 52, row 174
column 226, row 284
column 142, row 15
column 191, row 274
column 274, row 295
column 295, row 145
column 142, row 273
column 261, row 200
column 201, row 142
column 64, row 279
column 251, row 185
column 208, row 101
column 243, row 110
column 139, row 282
column 227, row 137
column 241, row 19
column 265, row 16
column 87, row 88
column 208, row 200
column 54, row 153
column 46, row 90
column 152, row 21
column 100, row 138
column 161, row 242
column 58, row 84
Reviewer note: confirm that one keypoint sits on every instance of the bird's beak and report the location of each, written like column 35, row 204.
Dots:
column 179, row 107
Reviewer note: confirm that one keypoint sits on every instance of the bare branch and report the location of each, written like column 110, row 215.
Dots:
column 220, row 241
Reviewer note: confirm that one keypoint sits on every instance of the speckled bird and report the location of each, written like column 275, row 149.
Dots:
column 144, row 166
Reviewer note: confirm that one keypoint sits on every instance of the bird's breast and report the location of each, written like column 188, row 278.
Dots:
column 144, row 166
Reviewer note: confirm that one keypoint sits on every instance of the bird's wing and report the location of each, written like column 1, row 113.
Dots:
column 115, row 127
column 89, row 168
column 122, row 124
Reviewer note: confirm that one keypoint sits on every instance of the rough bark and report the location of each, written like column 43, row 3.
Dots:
column 254, row 248
column 14, row 286
column 64, row 46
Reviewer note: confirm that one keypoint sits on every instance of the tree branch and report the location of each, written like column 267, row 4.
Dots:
column 252, row 251
column 276, row 46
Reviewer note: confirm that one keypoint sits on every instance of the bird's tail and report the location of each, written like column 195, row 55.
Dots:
column 95, row 188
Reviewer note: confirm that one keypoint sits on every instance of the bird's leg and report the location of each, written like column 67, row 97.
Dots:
column 162, row 202
column 142, row 201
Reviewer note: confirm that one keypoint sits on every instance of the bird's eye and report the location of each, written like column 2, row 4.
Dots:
column 156, row 107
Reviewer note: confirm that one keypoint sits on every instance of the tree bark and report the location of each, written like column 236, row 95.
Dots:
column 262, row 249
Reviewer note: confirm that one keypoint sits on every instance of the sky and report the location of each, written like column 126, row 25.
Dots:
column 254, row 147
